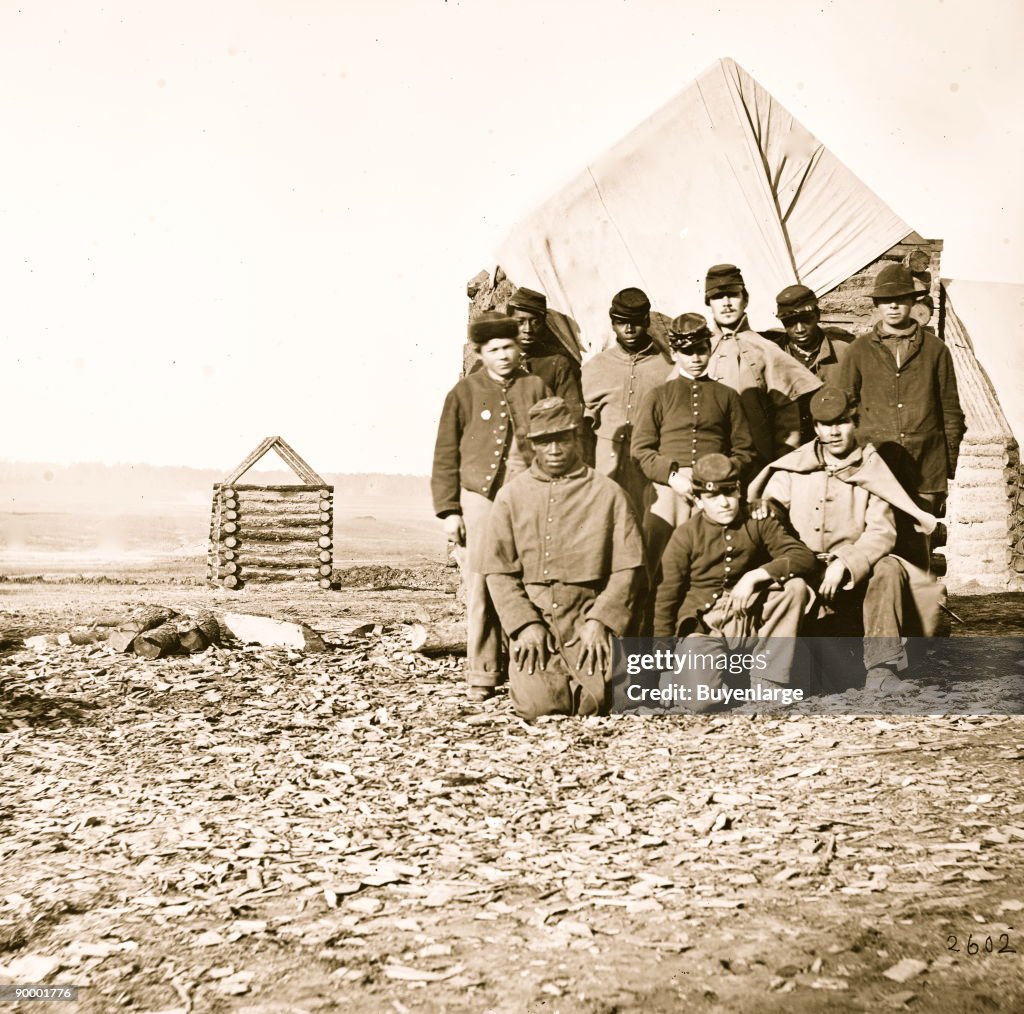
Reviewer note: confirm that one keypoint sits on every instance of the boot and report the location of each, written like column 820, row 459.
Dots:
column 883, row 682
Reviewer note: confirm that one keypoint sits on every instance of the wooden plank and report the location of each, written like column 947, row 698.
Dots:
column 252, row 575
column 280, row 519
column 253, row 537
column 275, row 488
column 294, row 561
column 297, row 463
column 261, row 448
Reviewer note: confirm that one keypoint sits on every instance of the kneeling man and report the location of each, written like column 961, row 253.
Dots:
column 564, row 564
column 839, row 499
column 732, row 584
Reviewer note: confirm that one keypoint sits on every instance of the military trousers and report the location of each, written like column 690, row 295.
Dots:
column 766, row 639
column 484, row 655
column 668, row 511
column 562, row 687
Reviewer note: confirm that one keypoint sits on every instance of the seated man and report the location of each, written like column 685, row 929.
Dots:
column 839, row 500
column 563, row 560
column 731, row 583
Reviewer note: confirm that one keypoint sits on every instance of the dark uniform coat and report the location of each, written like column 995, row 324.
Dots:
column 910, row 412
column 704, row 560
column 480, row 419
column 685, row 419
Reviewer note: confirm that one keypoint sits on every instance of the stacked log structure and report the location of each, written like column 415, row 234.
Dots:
column 262, row 533
column 272, row 533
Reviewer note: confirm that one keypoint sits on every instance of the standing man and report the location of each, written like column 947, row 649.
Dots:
column 564, row 560
column 807, row 342
column 731, row 583
column 543, row 355
column 840, row 499
column 768, row 381
column 481, row 444
column 903, row 379
column 678, row 423
column 615, row 383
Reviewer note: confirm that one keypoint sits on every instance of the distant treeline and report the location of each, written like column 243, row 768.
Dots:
column 173, row 482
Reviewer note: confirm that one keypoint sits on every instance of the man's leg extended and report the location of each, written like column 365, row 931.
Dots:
column 883, row 615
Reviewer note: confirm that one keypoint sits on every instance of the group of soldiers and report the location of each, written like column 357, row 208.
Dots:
column 744, row 486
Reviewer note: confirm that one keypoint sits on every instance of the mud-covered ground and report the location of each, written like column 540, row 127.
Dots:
column 257, row 829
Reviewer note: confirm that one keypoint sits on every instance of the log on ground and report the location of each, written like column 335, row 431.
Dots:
column 158, row 642
column 439, row 637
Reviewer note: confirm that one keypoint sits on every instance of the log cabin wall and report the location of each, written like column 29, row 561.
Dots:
column 271, row 533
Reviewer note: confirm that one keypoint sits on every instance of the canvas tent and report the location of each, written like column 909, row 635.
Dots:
column 723, row 173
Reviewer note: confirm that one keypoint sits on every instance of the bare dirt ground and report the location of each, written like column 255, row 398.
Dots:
column 260, row 830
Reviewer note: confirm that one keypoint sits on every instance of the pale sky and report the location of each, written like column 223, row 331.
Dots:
column 225, row 220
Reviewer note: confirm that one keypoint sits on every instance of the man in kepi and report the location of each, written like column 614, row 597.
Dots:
column 481, row 444
column 679, row 422
column 614, row 385
column 769, row 382
column 808, row 343
column 563, row 560
column 733, row 584
column 839, row 499
column 543, row 355
column 902, row 377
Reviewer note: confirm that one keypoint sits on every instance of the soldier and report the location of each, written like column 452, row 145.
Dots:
column 768, row 381
column 481, row 444
column 563, row 562
column 902, row 377
column 809, row 344
column 679, row 422
column 731, row 582
column 614, row 385
column 543, row 355
column 839, row 499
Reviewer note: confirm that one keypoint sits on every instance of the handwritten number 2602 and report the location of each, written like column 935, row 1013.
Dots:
column 973, row 947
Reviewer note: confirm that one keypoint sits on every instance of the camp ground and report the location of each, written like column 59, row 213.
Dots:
column 241, row 771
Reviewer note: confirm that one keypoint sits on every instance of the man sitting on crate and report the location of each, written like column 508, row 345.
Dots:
column 840, row 500
column 564, row 563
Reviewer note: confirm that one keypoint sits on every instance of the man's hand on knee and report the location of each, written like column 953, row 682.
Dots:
column 747, row 590
column 832, row 580
column 532, row 646
column 595, row 644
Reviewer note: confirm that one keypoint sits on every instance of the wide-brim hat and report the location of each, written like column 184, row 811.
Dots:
column 893, row 281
